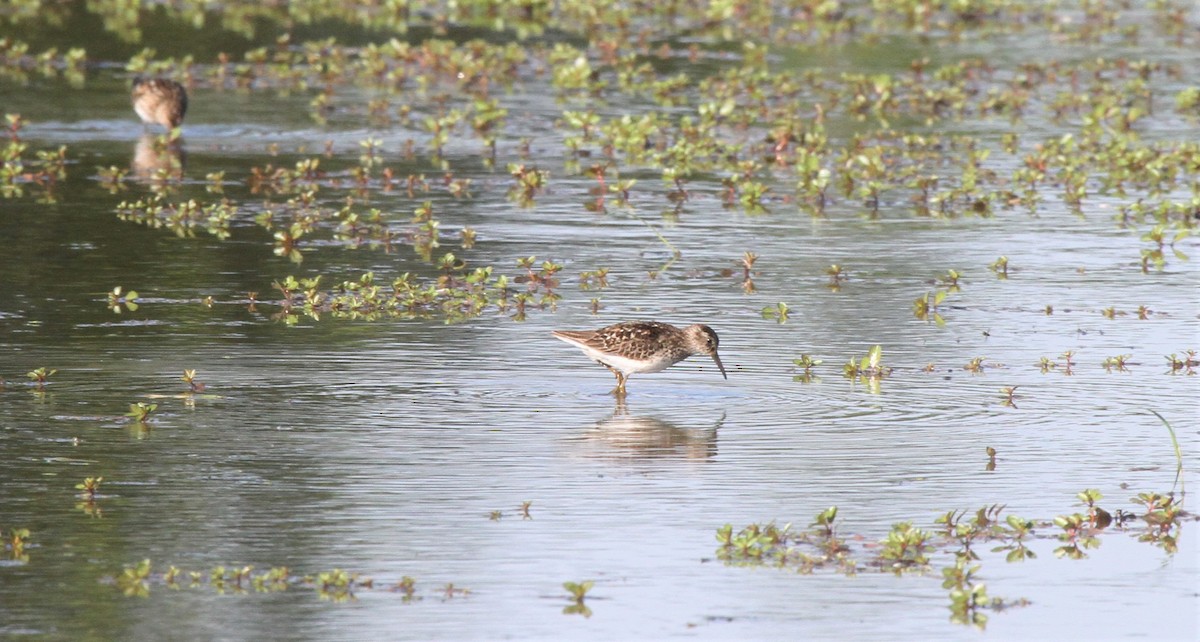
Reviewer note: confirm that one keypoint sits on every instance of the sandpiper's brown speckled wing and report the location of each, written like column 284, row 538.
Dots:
column 632, row 339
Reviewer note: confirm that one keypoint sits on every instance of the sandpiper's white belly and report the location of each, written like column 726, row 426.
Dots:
column 625, row 364
column 143, row 112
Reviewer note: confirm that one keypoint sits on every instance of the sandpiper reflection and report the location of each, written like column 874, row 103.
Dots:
column 156, row 158
column 628, row 436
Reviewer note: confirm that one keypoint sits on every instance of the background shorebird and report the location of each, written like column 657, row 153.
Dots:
column 159, row 101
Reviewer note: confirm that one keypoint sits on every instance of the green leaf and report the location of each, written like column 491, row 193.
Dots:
column 875, row 355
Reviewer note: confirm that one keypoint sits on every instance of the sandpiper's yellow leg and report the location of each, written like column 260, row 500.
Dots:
column 620, row 389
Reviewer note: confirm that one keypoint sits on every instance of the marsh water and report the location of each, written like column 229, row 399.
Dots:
column 406, row 446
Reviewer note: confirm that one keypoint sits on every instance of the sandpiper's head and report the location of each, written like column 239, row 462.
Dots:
column 703, row 340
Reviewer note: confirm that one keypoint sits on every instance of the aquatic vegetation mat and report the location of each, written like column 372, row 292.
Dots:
column 956, row 539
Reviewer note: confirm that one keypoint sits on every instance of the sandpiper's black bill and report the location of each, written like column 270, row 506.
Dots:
column 718, row 360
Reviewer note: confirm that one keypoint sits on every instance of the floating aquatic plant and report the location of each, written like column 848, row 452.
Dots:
column 958, row 533
column 578, row 592
column 194, row 385
column 1118, row 363
column 778, row 312
column 90, row 504
column 806, row 363
column 868, row 367
column 140, row 411
column 926, row 306
column 39, row 376
column 336, row 585
column 14, row 544
column 1185, row 364
column 117, row 300
column 1009, row 397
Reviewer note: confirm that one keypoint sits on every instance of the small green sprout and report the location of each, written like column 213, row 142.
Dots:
column 40, row 375
column 134, row 580
column 1000, row 267
column 1117, row 362
column 950, row 280
column 1076, row 536
column 748, row 260
column 1009, row 396
column 1185, row 364
column 806, row 364
column 925, row 307
column 975, row 366
column 869, row 367
column 407, row 586
column 906, row 547
column 90, row 486
column 824, row 520
column 140, row 412
column 112, row 177
column 116, row 300
column 779, row 312
column 16, row 544
column 189, row 377
column 578, row 591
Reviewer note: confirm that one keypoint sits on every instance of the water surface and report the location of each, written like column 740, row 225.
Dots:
column 384, row 447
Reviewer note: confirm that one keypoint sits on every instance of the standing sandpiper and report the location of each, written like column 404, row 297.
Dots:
column 642, row 346
column 159, row 101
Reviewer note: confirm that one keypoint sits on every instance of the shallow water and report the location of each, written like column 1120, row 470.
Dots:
column 383, row 447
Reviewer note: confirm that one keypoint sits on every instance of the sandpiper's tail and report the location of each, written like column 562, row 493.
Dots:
column 574, row 337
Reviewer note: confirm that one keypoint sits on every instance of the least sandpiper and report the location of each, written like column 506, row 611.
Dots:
column 159, row 101
column 642, row 346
